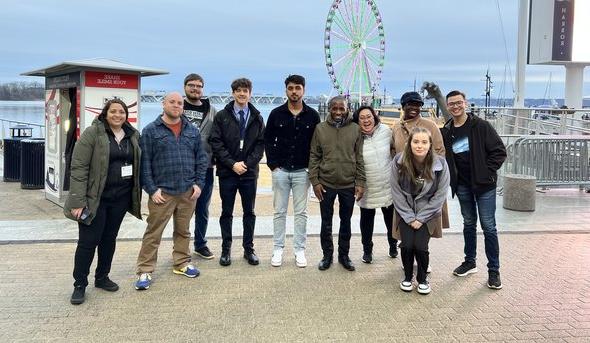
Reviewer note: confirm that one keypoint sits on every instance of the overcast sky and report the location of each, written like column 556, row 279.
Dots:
column 451, row 42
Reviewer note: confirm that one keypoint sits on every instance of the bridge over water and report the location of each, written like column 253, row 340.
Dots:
column 226, row 97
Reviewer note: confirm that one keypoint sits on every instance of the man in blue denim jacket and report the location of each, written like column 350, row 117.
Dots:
column 173, row 166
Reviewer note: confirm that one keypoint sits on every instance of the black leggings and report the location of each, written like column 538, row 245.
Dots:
column 101, row 234
column 367, row 224
column 414, row 246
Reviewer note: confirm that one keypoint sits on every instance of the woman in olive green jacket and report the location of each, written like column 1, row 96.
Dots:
column 104, row 185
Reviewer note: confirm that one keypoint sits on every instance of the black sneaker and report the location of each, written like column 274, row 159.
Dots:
column 368, row 257
column 205, row 253
column 78, row 296
column 106, row 284
column 494, row 281
column 465, row 268
column 393, row 252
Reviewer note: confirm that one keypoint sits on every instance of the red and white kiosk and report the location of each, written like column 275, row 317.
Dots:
column 75, row 93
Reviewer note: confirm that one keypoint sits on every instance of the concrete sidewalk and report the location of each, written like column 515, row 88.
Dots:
column 544, row 266
column 28, row 217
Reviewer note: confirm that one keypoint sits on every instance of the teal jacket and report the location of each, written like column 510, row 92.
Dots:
column 89, row 169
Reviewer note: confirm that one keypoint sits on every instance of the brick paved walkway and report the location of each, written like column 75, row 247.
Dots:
column 545, row 297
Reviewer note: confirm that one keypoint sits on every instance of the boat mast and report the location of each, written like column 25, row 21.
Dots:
column 488, row 90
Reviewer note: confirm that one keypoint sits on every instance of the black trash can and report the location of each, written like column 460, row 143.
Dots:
column 32, row 163
column 12, row 150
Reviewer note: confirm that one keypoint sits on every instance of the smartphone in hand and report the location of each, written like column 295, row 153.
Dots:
column 85, row 213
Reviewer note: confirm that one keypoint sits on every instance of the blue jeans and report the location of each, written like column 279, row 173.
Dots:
column 485, row 205
column 202, row 211
column 283, row 182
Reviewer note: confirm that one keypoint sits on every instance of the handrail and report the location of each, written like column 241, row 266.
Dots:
column 537, row 121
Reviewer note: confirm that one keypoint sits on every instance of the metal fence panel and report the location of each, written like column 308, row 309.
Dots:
column 553, row 160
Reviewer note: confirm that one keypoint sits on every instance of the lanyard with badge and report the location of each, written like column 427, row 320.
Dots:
column 126, row 168
column 242, row 126
column 126, row 171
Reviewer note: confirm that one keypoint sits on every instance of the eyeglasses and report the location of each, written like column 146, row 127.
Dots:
column 456, row 103
column 191, row 86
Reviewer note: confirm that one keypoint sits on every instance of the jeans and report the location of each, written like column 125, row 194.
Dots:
column 367, row 224
column 283, row 182
column 228, row 187
column 101, row 234
column 346, row 200
column 202, row 211
column 485, row 205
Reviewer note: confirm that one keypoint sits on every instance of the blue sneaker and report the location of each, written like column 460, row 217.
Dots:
column 143, row 281
column 189, row 271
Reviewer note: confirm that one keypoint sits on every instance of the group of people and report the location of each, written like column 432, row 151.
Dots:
column 406, row 171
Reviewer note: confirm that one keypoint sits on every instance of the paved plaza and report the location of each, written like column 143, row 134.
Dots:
column 545, row 297
column 545, row 259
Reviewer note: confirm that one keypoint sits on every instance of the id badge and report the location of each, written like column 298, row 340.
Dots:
column 126, row 171
column 241, row 144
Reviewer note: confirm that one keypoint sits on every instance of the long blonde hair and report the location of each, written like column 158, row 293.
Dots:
column 408, row 168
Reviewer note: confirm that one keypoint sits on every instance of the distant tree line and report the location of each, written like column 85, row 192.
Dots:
column 21, row 90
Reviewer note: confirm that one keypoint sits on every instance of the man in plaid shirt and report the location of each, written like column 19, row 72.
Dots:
column 173, row 166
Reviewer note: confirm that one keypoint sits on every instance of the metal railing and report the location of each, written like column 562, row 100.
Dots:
column 537, row 121
column 553, row 160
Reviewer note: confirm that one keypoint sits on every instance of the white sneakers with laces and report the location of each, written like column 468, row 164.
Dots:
column 300, row 260
column 277, row 257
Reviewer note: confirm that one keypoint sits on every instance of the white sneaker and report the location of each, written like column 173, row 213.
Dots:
column 277, row 257
column 300, row 260
column 423, row 288
column 406, row 285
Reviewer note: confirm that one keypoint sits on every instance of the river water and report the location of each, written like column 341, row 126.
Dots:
column 33, row 112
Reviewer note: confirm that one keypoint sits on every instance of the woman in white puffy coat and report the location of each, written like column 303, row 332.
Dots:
column 377, row 140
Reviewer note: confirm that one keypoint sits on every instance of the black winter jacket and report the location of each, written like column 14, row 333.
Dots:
column 486, row 150
column 287, row 138
column 225, row 141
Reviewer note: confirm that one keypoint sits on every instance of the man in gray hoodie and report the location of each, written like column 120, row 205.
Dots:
column 336, row 168
column 200, row 113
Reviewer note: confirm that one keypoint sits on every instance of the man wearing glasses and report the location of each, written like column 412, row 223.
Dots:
column 474, row 153
column 200, row 113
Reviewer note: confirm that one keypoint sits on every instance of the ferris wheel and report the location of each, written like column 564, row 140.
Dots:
column 354, row 45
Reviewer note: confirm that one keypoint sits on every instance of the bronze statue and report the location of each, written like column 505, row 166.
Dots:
column 434, row 93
